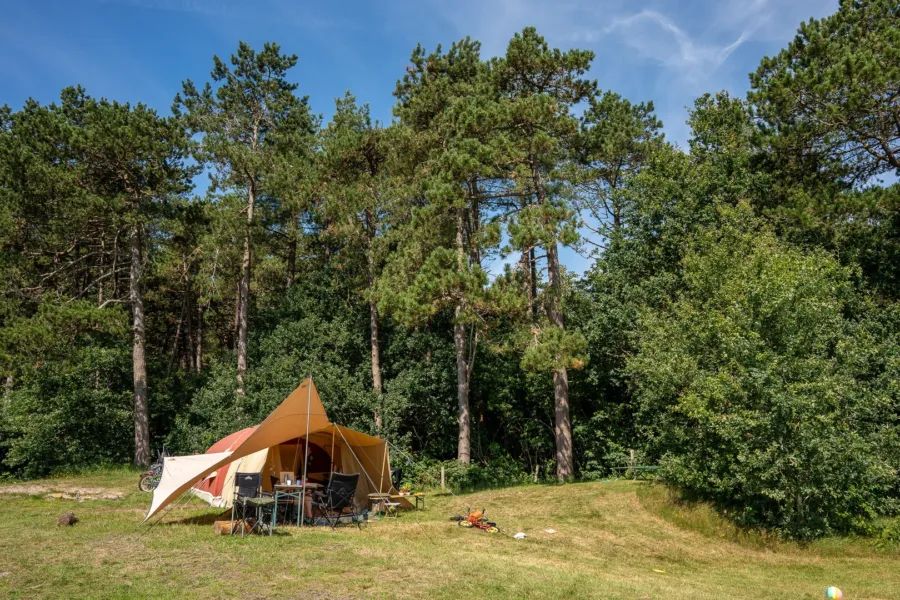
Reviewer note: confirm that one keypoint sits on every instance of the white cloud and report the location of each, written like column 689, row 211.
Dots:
column 657, row 37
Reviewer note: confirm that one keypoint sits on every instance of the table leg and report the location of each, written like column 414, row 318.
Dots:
column 274, row 511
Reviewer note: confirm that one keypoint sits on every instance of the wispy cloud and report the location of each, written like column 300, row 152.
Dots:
column 657, row 37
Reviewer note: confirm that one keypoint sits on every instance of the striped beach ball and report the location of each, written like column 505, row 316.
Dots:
column 834, row 592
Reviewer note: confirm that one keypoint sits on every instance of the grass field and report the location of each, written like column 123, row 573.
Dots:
column 615, row 540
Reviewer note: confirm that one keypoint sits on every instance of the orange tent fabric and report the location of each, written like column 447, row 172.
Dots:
column 301, row 414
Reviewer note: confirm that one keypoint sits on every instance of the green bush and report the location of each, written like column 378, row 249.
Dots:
column 760, row 390
column 499, row 472
column 72, row 405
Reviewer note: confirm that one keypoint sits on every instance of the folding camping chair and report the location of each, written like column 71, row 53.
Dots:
column 339, row 495
column 248, row 496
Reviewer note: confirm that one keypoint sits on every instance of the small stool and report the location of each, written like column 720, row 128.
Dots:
column 420, row 497
column 391, row 509
column 377, row 502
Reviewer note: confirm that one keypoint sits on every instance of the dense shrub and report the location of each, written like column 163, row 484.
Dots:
column 763, row 386
column 501, row 471
column 72, row 405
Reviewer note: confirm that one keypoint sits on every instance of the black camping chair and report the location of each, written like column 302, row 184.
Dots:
column 250, row 502
column 396, row 477
column 339, row 495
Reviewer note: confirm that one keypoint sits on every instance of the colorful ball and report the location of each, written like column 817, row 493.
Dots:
column 834, row 592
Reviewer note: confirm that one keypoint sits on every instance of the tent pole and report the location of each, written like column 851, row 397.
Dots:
column 332, row 452
column 383, row 462
column 306, row 452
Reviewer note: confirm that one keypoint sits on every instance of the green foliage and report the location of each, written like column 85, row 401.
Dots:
column 833, row 90
column 496, row 473
column 740, row 323
column 752, row 389
column 71, row 406
column 888, row 538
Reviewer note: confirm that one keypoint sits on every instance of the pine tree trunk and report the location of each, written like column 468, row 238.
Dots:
column 373, row 320
column 562, row 426
column 244, row 296
column 464, row 446
column 198, row 358
column 533, row 281
column 376, row 364
column 237, row 316
column 189, row 326
column 141, row 417
column 177, row 339
column 292, row 251
column 463, row 450
column 526, row 263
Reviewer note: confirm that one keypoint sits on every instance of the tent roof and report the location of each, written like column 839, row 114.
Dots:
column 301, row 412
column 232, row 441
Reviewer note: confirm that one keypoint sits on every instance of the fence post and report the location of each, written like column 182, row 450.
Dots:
column 442, row 478
column 536, row 469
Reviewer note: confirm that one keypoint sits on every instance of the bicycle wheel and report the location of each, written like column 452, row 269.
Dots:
column 148, row 483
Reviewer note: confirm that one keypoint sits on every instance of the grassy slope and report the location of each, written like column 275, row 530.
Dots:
column 612, row 539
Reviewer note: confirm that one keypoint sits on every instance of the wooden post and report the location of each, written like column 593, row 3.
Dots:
column 631, row 451
column 536, row 469
column 442, row 478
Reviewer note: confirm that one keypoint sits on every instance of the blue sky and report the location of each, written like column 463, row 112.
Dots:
column 140, row 50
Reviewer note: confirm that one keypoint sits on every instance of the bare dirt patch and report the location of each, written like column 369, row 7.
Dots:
column 63, row 492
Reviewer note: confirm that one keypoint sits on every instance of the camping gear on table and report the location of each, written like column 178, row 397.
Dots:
column 296, row 437
column 287, row 501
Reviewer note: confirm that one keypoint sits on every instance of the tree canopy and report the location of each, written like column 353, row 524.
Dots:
column 738, row 327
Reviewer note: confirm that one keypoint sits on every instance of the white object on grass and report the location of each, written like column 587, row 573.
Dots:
column 519, row 536
column 550, row 531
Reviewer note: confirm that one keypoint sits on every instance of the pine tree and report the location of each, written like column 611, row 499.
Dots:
column 449, row 109
column 540, row 86
column 240, row 121
column 357, row 199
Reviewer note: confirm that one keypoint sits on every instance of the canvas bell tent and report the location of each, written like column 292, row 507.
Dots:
column 296, row 437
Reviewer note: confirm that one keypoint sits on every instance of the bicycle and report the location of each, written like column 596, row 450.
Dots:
column 149, row 479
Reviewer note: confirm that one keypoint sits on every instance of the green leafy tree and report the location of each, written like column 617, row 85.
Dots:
column 70, row 406
column 449, row 111
column 540, row 87
column 357, row 188
column 833, row 91
column 617, row 138
column 106, row 171
column 752, row 387
column 137, row 157
column 240, row 122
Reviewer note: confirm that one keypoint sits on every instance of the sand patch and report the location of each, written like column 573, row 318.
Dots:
column 79, row 494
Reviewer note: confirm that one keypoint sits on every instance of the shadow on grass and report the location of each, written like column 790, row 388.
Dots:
column 204, row 519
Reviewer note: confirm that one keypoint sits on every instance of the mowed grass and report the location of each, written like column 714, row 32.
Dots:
column 615, row 540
